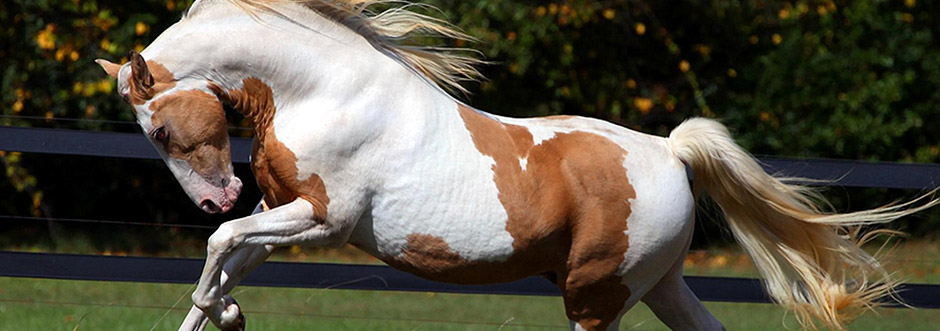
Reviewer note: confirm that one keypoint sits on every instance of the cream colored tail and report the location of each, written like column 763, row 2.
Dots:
column 811, row 260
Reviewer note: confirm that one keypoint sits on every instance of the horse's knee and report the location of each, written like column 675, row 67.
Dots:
column 223, row 239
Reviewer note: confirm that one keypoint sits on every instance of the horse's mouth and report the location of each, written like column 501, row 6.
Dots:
column 224, row 200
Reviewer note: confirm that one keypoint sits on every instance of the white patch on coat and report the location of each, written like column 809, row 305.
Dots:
column 448, row 191
column 660, row 220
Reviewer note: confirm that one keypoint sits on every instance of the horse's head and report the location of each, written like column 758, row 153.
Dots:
column 186, row 123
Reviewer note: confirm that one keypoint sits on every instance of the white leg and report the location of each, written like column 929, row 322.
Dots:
column 196, row 320
column 673, row 302
column 290, row 224
column 236, row 268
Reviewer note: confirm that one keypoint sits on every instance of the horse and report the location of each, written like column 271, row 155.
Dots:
column 358, row 140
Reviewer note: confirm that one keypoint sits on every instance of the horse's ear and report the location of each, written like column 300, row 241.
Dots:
column 141, row 77
column 109, row 67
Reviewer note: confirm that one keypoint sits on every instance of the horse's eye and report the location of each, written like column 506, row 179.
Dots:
column 160, row 134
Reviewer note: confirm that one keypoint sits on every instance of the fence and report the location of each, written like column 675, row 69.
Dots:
column 369, row 277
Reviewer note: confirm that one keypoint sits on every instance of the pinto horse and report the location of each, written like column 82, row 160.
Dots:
column 357, row 141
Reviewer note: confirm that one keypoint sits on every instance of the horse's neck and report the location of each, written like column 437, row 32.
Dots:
column 325, row 78
column 337, row 83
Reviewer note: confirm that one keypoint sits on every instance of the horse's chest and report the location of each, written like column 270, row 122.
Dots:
column 275, row 168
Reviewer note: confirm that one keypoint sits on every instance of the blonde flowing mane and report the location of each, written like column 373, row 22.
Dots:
column 391, row 30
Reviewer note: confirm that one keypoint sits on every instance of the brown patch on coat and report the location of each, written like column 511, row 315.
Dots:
column 430, row 251
column 567, row 215
column 160, row 80
column 274, row 165
column 574, row 183
column 197, row 129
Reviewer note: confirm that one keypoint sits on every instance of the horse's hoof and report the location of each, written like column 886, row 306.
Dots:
column 232, row 317
column 239, row 323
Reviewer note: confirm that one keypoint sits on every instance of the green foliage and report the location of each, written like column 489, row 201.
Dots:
column 843, row 79
column 49, row 48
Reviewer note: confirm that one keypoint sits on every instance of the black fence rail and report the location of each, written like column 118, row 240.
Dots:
column 128, row 145
column 358, row 277
column 371, row 277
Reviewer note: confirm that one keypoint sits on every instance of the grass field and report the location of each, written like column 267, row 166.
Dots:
column 38, row 304
column 30, row 304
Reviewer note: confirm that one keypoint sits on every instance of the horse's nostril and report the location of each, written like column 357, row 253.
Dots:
column 209, row 206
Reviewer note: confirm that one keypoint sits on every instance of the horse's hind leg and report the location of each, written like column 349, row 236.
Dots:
column 674, row 304
column 597, row 305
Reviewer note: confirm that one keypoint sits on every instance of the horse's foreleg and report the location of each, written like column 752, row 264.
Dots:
column 236, row 268
column 290, row 224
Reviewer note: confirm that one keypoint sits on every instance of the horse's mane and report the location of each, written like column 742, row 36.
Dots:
column 390, row 30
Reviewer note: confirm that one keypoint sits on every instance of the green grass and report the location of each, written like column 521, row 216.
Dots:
column 33, row 304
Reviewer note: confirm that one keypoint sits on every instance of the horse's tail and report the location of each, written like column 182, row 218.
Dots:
column 811, row 260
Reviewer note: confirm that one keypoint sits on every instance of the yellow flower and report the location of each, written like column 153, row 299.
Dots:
column 718, row 261
column 17, row 106
column 803, row 8
column 732, row 73
column 670, row 105
column 640, row 28
column 643, row 105
column 907, row 17
column 609, row 13
column 37, row 199
column 46, row 38
column 60, row 54
column 540, row 11
column 910, row 3
column 684, row 66
column 703, row 49
column 90, row 90
column 777, row 39
column 140, row 28
column 783, row 14
column 73, row 56
column 105, row 85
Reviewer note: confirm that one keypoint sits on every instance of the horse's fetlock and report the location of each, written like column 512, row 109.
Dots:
column 203, row 302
